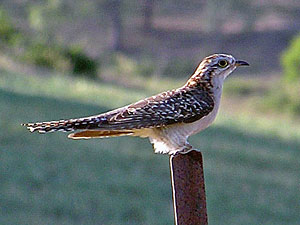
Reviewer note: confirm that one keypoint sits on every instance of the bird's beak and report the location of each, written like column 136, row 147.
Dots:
column 241, row 63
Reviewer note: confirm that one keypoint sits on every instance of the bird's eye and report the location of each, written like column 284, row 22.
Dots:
column 222, row 63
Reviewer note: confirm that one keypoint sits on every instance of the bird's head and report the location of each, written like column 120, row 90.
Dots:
column 220, row 64
column 217, row 66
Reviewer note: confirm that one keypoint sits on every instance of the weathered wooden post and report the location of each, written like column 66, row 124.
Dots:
column 188, row 189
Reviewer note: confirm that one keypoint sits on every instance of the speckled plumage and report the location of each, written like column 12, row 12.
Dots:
column 167, row 119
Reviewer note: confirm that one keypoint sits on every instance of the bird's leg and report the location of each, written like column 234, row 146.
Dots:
column 186, row 149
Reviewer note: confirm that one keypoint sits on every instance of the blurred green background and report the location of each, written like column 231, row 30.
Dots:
column 67, row 59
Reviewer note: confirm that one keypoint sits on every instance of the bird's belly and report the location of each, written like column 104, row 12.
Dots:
column 174, row 137
column 187, row 129
column 183, row 131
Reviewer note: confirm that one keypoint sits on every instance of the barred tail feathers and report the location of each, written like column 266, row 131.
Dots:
column 66, row 125
column 90, row 128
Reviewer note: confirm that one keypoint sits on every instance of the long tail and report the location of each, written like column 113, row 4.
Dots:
column 89, row 127
column 66, row 125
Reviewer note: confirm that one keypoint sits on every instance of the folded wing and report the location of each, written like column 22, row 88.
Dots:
column 171, row 107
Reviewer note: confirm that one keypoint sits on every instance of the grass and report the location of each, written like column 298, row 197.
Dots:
column 271, row 95
column 251, row 164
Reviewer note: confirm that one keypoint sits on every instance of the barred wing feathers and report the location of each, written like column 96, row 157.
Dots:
column 164, row 109
column 171, row 107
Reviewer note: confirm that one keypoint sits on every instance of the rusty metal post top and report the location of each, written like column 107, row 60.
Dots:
column 188, row 189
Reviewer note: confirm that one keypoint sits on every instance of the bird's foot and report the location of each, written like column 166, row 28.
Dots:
column 186, row 149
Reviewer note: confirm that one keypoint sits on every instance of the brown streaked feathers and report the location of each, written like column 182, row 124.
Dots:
column 183, row 105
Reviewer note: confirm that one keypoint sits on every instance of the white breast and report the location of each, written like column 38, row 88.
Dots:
column 204, row 122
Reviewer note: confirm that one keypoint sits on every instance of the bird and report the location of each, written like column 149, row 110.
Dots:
column 167, row 119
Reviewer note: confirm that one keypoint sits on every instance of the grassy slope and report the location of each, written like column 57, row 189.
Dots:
column 252, row 170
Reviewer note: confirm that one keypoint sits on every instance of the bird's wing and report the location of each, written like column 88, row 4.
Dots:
column 171, row 107
column 176, row 106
